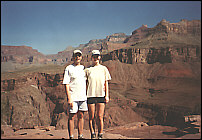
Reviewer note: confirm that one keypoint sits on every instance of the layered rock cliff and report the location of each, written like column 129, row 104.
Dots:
column 153, row 55
column 21, row 54
column 115, row 41
column 165, row 28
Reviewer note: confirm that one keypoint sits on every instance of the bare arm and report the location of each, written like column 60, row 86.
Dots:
column 106, row 92
column 69, row 99
column 86, row 86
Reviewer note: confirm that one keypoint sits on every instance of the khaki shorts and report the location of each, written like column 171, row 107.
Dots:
column 78, row 106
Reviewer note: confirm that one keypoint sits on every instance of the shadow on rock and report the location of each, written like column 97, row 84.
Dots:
column 188, row 129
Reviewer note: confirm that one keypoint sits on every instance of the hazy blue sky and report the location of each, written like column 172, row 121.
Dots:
column 51, row 26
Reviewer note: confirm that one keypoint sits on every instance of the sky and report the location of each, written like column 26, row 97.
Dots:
column 52, row 26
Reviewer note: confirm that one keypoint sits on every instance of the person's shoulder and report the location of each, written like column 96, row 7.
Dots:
column 104, row 67
column 69, row 67
column 82, row 67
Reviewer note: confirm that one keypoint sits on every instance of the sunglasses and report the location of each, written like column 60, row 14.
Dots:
column 77, row 54
column 95, row 56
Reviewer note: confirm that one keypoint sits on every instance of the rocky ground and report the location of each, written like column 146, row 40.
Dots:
column 136, row 130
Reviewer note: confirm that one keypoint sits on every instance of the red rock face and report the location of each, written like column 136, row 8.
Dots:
column 153, row 55
column 184, row 27
column 21, row 54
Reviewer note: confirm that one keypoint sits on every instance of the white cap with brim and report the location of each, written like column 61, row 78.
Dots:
column 95, row 52
column 77, row 51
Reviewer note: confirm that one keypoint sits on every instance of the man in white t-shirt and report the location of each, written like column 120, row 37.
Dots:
column 75, row 85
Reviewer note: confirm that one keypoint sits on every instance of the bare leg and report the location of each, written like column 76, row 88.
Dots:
column 80, row 122
column 71, row 123
column 100, row 114
column 91, row 113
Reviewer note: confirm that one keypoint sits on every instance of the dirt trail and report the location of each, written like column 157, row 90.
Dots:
column 128, row 131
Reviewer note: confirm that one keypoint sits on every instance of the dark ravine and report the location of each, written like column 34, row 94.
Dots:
column 49, row 88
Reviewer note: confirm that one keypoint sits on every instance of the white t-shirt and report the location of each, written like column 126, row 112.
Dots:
column 96, row 77
column 75, row 77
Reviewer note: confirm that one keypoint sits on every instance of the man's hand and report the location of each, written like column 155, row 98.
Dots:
column 70, row 102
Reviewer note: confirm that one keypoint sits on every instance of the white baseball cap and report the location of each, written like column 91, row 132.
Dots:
column 77, row 51
column 95, row 52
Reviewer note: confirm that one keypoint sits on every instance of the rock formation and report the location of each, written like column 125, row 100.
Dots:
column 21, row 54
column 153, row 55
column 182, row 28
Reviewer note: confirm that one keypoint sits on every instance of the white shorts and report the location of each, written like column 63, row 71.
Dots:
column 78, row 106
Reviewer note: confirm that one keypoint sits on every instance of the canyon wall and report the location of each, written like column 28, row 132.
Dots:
column 44, row 102
column 21, row 54
column 184, row 27
column 153, row 55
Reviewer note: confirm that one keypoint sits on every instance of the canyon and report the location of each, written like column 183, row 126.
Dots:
column 156, row 79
